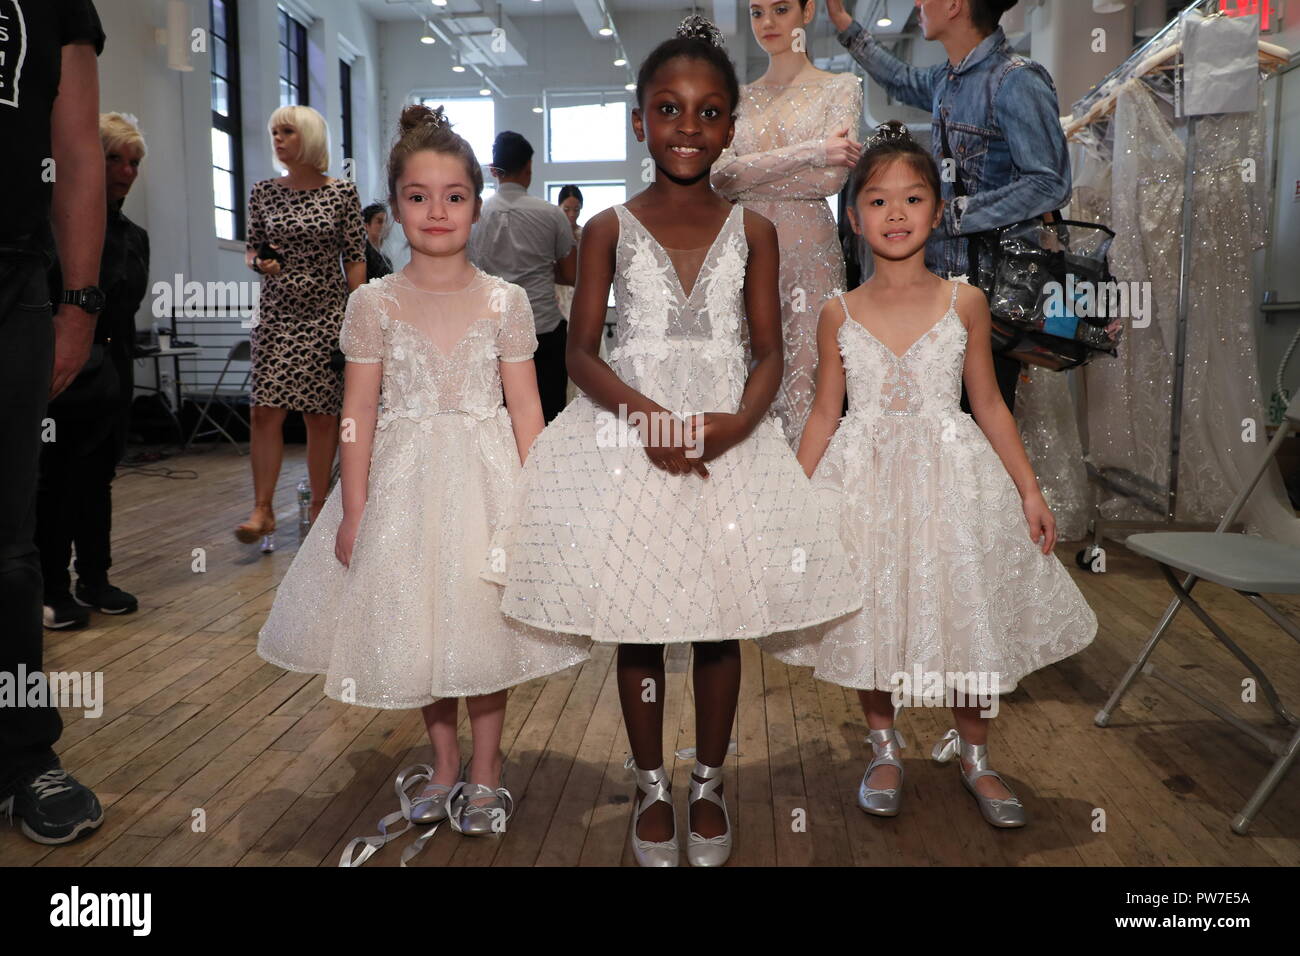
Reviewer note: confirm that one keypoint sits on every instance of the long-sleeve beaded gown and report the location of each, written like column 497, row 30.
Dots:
column 776, row 165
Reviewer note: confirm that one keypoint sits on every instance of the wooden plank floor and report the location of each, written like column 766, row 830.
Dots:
column 206, row 755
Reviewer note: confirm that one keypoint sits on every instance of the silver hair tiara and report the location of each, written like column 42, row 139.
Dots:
column 696, row 27
column 887, row 133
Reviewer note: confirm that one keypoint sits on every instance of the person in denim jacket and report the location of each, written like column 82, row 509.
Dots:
column 1003, row 121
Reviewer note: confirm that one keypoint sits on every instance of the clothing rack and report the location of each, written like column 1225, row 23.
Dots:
column 1158, row 62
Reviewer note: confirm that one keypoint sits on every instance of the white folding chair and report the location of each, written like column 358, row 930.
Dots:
column 1250, row 565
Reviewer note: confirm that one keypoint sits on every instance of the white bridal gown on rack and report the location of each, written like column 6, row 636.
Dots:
column 1050, row 431
column 1130, row 397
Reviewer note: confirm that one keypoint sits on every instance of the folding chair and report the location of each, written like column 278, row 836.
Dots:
column 1250, row 565
column 223, row 395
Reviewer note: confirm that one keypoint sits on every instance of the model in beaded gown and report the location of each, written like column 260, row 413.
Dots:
column 783, row 164
column 410, row 621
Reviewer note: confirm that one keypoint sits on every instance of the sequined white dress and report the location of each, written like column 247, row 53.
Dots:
column 950, row 581
column 605, row 544
column 776, row 166
column 410, row 620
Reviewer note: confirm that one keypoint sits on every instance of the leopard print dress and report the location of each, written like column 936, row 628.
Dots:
column 299, row 312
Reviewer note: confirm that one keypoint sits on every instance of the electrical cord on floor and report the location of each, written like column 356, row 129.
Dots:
column 177, row 474
column 140, row 464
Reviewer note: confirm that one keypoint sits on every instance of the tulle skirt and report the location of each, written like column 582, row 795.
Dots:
column 950, row 583
column 411, row 620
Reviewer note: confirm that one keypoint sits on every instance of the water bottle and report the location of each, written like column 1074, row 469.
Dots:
column 304, row 508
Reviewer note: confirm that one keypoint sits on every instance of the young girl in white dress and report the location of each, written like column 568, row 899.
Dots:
column 950, row 538
column 384, row 597
column 707, row 533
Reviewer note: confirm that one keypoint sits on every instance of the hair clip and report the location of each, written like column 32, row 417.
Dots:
column 696, row 27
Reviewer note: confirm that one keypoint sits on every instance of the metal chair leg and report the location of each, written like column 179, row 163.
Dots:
column 203, row 413
column 1266, row 787
column 1276, row 702
column 1102, row 719
column 1282, row 749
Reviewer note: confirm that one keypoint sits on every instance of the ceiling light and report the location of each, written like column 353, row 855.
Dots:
column 884, row 22
column 485, row 92
column 427, row 39
column 629, row 86
column 621, row 61
column 606, row 28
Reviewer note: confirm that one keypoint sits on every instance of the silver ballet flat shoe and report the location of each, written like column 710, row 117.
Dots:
column 999, row 813
column 708, row 851
column 480, row 819
column 653, row 785
column 430, row 804
column 885, row 744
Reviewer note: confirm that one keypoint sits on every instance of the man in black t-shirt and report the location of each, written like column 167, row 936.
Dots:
column 52, row 171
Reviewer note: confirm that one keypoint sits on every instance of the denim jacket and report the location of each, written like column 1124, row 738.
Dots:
column 1004, row 131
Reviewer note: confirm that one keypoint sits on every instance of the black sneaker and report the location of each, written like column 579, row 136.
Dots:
column 62, row 613
column 105, row 598
column 53, row 807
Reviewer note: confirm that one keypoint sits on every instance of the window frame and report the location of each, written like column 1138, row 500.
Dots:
column 345, row 95
column 230, row 125
column 296, row 31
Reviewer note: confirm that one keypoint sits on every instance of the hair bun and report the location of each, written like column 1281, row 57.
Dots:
column 420, row 115
column 890, row 131
column 696, row 27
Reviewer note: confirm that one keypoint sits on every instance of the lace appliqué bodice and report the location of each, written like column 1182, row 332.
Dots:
column 680, row 349
column 924, row 381
column 439, row 349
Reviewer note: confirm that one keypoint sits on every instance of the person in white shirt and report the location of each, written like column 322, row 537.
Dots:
column 528, row 241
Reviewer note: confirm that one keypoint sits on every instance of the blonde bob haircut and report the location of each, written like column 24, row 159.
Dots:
column 118, row 131
column 313, row 134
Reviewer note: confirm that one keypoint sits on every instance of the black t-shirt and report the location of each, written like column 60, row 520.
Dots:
column 32, row 36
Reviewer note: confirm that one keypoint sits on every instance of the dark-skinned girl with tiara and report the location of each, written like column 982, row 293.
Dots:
column 663, row 505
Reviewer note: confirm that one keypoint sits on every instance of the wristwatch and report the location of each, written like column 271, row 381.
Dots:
column 89, row 300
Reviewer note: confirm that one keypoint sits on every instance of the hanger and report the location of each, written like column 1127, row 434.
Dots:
column 1161, row 61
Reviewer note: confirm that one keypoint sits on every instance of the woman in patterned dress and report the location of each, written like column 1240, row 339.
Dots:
column 794, row 146
column 313, row 223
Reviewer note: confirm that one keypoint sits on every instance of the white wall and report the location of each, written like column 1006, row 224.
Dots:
column 173, row 197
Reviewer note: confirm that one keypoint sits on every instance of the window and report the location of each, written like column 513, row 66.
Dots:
column 227, row 138
column 474, row 118
column 587, row 133
column 293, row 61
column 596, row 197
column 345, row 98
